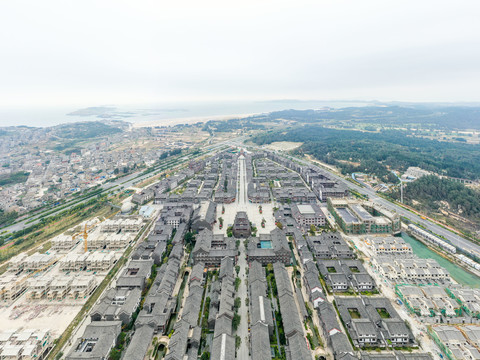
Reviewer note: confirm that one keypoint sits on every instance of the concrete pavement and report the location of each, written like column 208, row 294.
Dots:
column 242, row 331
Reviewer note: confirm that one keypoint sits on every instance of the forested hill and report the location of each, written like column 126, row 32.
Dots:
column 85, row 130
column 431, row 190
column 378, row 153
column 409, row 115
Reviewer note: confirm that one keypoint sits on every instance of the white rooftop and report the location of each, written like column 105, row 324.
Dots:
column 305, row 209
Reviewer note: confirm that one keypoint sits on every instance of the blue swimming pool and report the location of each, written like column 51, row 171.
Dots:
column 265, row 244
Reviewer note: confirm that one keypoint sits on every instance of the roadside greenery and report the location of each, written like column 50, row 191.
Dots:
column 6, row 218
column 430, row 190
column 352, row 151
column 53, row 225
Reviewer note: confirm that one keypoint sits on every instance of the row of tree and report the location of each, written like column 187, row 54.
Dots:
column 430, row 190
column 378, row 153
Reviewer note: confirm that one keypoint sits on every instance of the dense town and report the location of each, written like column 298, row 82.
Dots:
column 245, row 253
column 250, row 180
column 39, row 166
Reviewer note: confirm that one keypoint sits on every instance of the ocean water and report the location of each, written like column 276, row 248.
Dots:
column 162, row 112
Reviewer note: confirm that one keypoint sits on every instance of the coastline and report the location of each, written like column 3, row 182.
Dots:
column 188, row 120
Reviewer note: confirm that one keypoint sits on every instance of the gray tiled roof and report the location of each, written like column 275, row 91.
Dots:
column 127, row 280
column 197, row 273
column 116, row 302
column 141, row 340
column 226, row 267
column 297, row 347
column 223, row 347
column 177, row 345
column 340, row 344
column 192, row 305
column 288, row 308
column 259, row 337
column 103, row 335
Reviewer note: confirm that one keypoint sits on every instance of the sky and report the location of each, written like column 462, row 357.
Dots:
column 87, row 53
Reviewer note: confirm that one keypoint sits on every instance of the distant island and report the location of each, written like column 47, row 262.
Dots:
column 92, row 111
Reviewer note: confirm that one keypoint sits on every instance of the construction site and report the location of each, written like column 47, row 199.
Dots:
column 47, row 290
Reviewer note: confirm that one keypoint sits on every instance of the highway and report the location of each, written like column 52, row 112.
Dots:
column 134, row 178
column 437, row 229
column 125, row 182
column 453, row 238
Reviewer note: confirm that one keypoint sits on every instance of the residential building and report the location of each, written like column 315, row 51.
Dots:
column 98, row 339
column 117, row 304
column 135, row 274
column 210, row 249
column 308, row 214
column 204, row 217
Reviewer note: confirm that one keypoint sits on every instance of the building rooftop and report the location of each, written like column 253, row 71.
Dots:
column 305, row 209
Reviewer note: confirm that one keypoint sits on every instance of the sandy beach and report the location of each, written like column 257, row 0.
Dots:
column 188, row 120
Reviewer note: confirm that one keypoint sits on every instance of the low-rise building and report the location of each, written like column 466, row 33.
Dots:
column 269, row 248
column 33, row 262
column 329, row 245
column 311, row 280
column 122, row 223
column 38, row 288
column 418, row 232
column 430, row 302
column 11, row 286
column 363, row 217
column 308, row 214
column 143, row 196
column 210, row 249
column 332, row 331
column 204, row 216
column 63, row 242
column 457, row 342
column 82, row 286
column 468, row 298
column 135, row 274
column 389, row 245
column 345, row 275
column 372, row 321
column 94, row 261
column 411, row 270
column 25, row 344
column 59, row 288
column 98, row 339
column 292, row 324
column 117, row 305
column 397, row 355
column 259, row 303
column 258, row 191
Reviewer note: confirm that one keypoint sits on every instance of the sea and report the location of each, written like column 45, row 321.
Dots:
column 163, row 113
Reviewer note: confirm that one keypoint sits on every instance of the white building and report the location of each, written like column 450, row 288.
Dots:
column 389, row 246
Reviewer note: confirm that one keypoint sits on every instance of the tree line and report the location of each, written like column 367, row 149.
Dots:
column 430, row 190
column 379, row 153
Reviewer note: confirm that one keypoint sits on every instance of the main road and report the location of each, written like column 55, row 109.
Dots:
column 454, row 238
column 241, row 205
column 125, row 182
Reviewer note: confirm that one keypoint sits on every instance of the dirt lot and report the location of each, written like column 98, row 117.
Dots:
column 284, row 145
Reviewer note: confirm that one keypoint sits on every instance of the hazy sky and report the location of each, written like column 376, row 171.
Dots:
column 97, row 52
